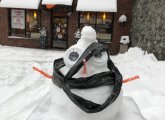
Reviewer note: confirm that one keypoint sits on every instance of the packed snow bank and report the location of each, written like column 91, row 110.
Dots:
column 22, row 89
column 138, row 62
column 148, row 91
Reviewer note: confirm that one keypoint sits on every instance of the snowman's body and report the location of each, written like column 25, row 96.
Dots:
column 60, row 101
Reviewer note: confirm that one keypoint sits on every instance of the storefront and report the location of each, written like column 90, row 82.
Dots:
column 21, row 23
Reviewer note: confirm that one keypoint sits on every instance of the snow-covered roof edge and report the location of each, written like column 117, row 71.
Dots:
column 97, row 5
column 58, row 2
column 33, row 4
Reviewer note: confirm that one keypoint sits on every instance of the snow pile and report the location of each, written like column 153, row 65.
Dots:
column 122, row 18
column 22, row 89
column 149, row 91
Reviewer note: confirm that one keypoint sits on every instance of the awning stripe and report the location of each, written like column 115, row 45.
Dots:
column 58, row 2
column 27, row 4
column 97, row 5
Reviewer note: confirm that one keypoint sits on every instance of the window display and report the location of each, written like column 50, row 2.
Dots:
column 17, row 22
column 32, row 24
column 60, row 32
column 87, row 18
column 24, row 23
column 101, row 22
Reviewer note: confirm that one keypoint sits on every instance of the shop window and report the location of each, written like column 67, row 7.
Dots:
column 87, row 18
column 24, row 23
column 101, row 22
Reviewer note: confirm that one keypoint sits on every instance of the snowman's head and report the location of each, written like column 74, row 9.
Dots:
column 88, row 34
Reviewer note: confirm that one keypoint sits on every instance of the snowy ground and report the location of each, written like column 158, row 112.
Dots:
column 22, row 89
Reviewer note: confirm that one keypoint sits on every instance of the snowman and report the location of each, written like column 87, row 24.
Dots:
column 86, row 83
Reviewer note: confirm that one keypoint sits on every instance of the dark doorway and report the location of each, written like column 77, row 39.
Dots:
column 60, row 32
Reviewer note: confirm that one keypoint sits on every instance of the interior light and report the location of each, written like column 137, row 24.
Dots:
column 88, row 17
column 104, row 17
column 35, row 15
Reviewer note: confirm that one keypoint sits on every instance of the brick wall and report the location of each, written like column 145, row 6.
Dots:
column 46, row 22
column 73, row 25
column 123, row 7
column 3, row 26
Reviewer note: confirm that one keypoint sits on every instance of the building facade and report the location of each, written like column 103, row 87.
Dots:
column 21, row 27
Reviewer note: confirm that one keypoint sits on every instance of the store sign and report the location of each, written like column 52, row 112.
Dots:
column 18, row 19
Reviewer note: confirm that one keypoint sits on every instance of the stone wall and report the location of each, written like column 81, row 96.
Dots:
column 148, row 26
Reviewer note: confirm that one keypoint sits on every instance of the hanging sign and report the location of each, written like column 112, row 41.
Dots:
column 18, row 19
column 49, row 6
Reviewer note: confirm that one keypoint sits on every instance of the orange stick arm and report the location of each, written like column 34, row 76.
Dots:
column 131, row 79
column 43, row 73
column 50, row 77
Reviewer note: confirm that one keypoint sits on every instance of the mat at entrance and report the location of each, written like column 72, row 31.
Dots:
column 129, row 111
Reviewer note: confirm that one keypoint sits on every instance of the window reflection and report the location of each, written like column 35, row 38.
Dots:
column 87, row 18
column 32, row 24
column 101, row 22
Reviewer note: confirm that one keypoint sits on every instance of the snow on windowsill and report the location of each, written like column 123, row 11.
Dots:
column 21, row 37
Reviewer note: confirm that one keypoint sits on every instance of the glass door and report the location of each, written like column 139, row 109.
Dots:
column 60, row 32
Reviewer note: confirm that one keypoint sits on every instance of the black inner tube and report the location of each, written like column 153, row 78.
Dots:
column 110, row 78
